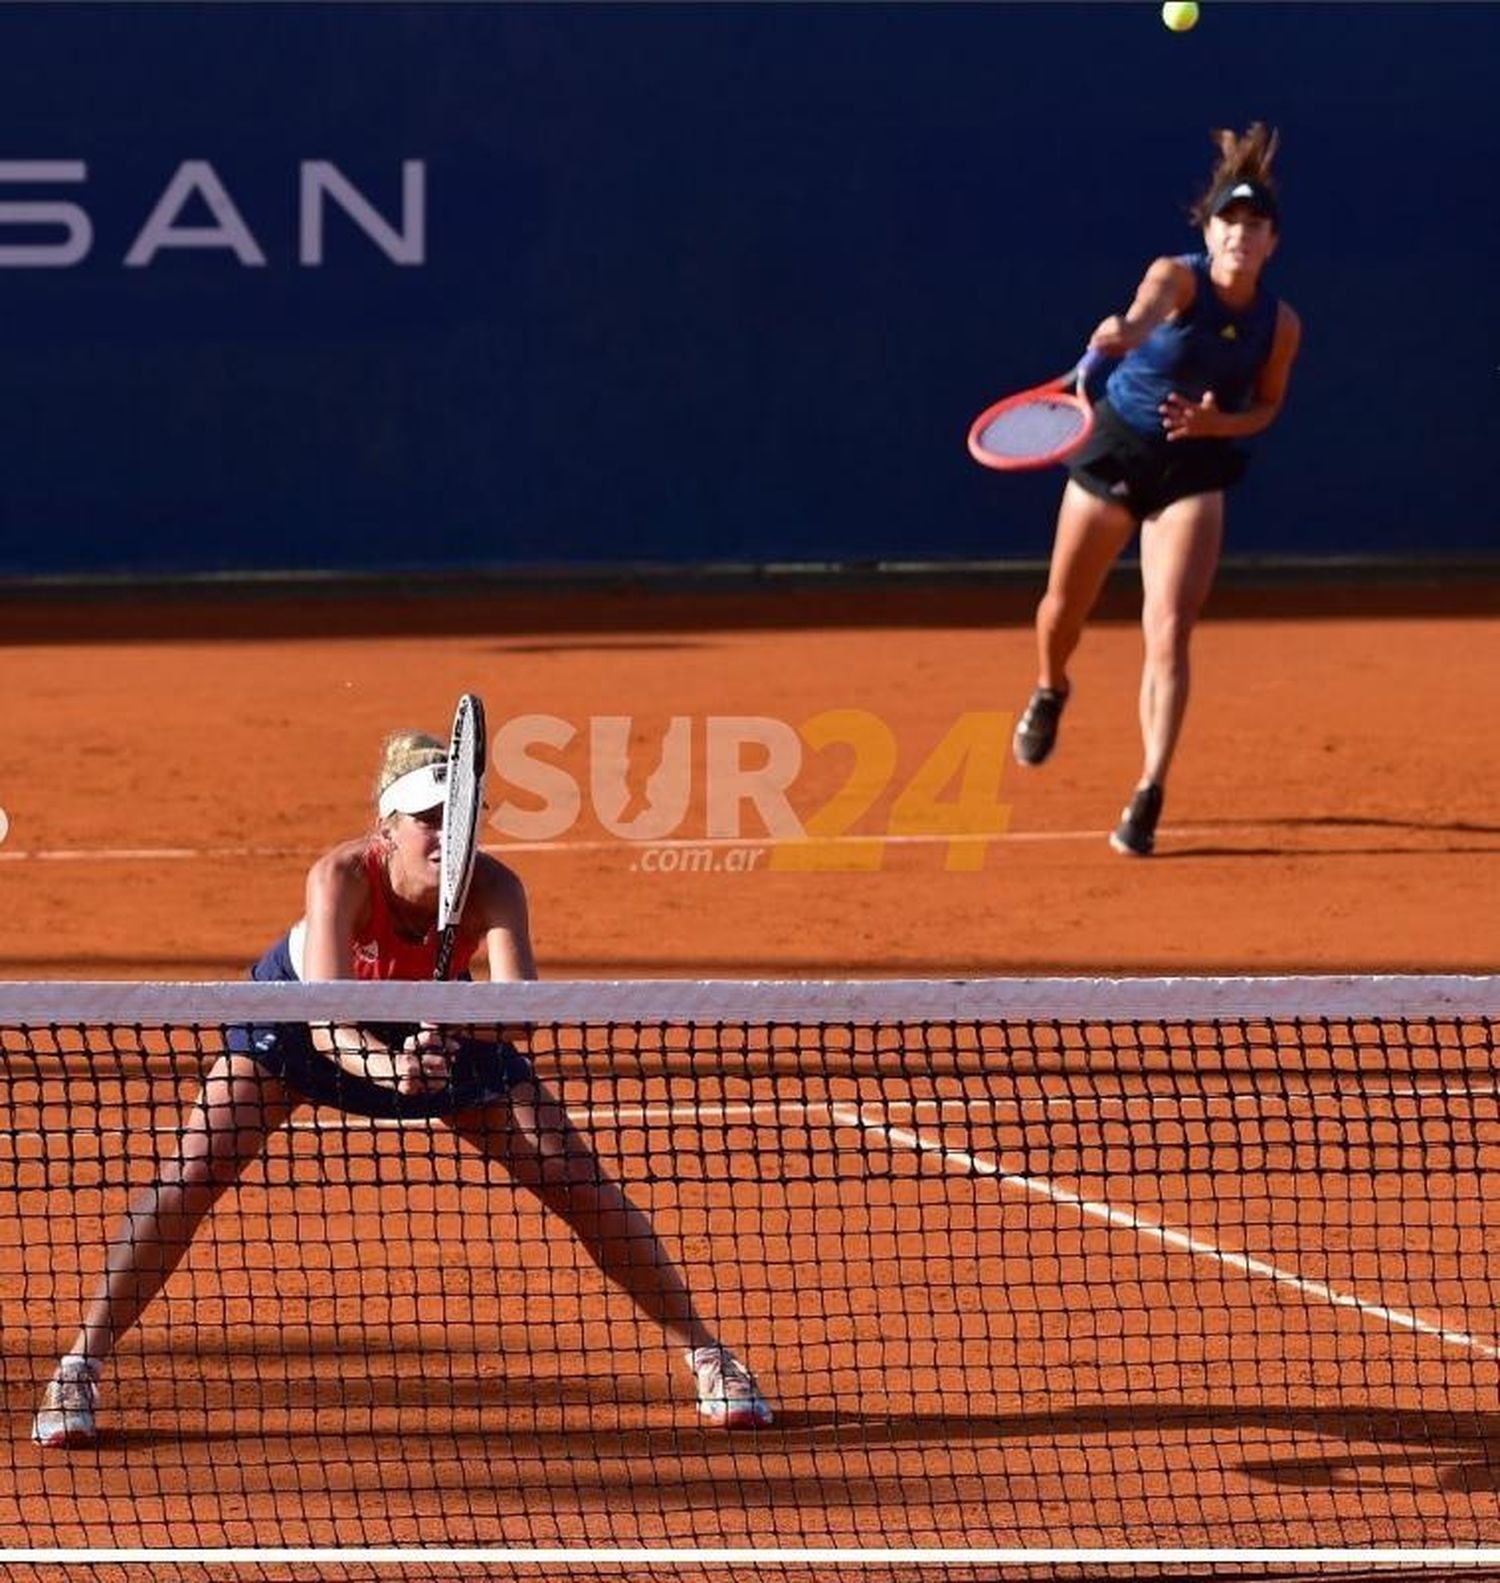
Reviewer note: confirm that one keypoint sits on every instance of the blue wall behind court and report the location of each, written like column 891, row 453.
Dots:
column 715, row 283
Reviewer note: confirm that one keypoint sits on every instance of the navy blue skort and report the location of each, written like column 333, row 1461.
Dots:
column 481, row 1072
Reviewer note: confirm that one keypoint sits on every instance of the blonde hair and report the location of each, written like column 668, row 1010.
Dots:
column 1242, row 157
column 403, row 752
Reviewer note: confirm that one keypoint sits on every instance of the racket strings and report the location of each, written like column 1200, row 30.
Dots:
column 461, row 812
column 1038, row 427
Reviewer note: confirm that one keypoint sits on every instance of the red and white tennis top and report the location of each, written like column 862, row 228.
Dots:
column 381, row 948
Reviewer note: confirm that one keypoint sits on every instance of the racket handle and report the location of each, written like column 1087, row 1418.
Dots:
column 1089, row 365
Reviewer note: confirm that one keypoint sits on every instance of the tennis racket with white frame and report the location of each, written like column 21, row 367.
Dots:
column 1037, row 427
column 462, row 802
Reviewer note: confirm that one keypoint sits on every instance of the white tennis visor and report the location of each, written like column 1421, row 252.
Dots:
column 416, row 791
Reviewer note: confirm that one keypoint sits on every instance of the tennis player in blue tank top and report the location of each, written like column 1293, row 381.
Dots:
column 1205, row 354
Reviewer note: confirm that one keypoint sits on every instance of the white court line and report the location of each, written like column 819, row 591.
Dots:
column 148, row 854
column 612, row 844
column 606, row 1117
column 778, row 1555
column 761, row 843
column 610, row 1117
column 1125, row 1220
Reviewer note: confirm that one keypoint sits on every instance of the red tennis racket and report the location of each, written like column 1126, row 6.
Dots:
column 1037, row 427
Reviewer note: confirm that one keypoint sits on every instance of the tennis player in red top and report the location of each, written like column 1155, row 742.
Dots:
column 1205, row 354
column 371, row 910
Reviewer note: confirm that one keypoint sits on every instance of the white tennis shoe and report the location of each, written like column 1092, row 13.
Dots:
column 727, row 1393
column 727, row 1396
column 65, row 1419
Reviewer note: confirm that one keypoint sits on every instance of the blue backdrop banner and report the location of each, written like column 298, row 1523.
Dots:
column 344, row 287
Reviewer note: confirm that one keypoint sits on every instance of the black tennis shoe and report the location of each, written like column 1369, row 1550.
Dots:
column 1135, row 835
column 1036, row 730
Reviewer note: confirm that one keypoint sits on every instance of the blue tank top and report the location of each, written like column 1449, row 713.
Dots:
column 1206, row 347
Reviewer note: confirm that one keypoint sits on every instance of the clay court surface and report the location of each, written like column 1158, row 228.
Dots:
column 1332, row 810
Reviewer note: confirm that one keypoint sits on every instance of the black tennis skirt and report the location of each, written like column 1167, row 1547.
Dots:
column 1145, row 473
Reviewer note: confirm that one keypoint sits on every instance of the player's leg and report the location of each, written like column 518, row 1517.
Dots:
column 533, row 1137
column 1091, row 533
column 1180, row 550
column 239, row 1104
column 531, row 1134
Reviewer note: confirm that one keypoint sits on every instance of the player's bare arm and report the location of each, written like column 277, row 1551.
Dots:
column 1165, row 289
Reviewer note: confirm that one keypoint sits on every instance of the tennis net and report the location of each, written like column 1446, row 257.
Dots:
column 1043, row 1277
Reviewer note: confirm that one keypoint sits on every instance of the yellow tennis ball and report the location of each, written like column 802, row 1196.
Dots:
column 1180, row 15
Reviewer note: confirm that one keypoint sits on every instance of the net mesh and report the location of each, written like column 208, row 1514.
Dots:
column 1026, row 1270
column 1038, row 427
